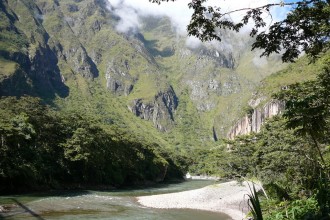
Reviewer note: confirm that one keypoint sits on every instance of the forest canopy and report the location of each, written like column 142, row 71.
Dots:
column 41, row 147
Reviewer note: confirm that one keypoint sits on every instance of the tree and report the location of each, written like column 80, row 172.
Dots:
column 308, row 112
column 307, row 108
column 305, row 29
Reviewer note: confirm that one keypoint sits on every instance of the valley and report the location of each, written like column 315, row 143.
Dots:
column 96, row 95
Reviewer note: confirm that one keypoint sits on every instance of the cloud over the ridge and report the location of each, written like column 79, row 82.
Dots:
column 130, row 12
column 178, row 12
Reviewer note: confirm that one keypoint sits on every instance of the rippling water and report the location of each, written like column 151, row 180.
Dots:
column 119, row 205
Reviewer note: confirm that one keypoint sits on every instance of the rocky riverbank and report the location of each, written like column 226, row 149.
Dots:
column 229, row 198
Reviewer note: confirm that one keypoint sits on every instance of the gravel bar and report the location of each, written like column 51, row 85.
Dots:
column 229, row 198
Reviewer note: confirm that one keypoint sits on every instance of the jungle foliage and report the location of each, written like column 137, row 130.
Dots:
column 41, row 147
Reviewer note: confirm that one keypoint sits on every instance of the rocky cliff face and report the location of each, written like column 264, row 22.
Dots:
column 160, row 111
column 253, row 122
column 119, row 81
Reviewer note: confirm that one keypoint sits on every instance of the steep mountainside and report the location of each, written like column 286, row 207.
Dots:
column 263, row 105
column 148, row 83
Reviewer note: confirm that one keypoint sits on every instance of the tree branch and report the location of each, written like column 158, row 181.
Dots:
column 281, row 4
column 318, row 149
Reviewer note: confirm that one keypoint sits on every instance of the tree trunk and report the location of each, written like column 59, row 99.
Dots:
column 318, row 149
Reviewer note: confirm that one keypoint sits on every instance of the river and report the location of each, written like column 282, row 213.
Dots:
column 103, row 205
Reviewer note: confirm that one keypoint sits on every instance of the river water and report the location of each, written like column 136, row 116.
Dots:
column 103, row 205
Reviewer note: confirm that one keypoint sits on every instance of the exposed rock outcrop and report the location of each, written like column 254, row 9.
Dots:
column 253, row 122
column 119, row 81
column 203, row 90
column 77, row 56
column 221, row 58
column 160, row 111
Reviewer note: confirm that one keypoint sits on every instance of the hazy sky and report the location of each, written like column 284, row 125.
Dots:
column 130, row 11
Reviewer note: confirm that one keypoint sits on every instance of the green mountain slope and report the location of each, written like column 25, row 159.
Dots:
column 149, row 85
column 215, row 160
column 67, row 63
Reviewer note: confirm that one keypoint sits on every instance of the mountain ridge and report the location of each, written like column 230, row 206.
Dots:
column 77, row 53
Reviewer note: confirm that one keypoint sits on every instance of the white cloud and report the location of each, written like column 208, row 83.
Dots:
column 259, row 61
column 127, row 23
column 178, row 12
column 129, row 11
column 115, row 3
column 193, row 42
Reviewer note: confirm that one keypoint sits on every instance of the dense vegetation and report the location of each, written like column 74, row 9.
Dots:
column 41, row 147
column 290, row 155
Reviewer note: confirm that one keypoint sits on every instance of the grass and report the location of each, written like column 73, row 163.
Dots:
column 7, row 68
column 145, row 88
column 254, row 204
